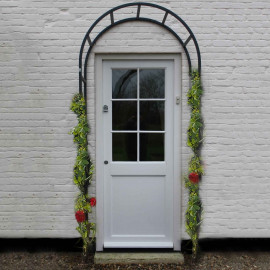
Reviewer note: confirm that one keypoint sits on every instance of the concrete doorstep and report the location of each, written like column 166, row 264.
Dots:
column 138, row 257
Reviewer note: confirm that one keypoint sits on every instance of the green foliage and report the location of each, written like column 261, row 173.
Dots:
column 82, row 203
column 195, row 165
column 193, row 217
column 194, row 208
column 83, row 170
column 85, row 228
column 78, row 105
column 194, row 130
column 195, row 92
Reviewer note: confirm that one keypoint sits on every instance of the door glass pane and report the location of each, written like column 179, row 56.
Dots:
column 152, row 115
column 124, row 115
column 124, row 146
column 124, row 83
column 152, row 83
column 152, row 147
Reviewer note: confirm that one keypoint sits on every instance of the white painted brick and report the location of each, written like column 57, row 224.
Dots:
column 39, row 49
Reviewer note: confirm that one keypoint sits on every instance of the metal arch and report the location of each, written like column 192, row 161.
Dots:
column 83, row 78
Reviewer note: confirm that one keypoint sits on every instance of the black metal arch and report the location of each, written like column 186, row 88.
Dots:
column 83, row 67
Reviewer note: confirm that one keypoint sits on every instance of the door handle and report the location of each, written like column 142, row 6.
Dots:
column 105, row 108
column 106, row 162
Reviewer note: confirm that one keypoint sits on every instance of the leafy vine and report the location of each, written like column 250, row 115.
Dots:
column 82, row 174
column 194, row 207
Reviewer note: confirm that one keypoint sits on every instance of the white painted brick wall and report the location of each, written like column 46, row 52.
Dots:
column 39, row 46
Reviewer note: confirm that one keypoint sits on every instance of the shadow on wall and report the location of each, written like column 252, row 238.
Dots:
column 75, row 244
column 229, row 244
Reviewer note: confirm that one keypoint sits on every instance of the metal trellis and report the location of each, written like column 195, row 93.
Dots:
column 137, row 17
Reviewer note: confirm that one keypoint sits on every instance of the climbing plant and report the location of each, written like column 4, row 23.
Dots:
column 82, row 174
column 194, row 141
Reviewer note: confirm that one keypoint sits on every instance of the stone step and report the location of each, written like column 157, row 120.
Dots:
column 138, row 257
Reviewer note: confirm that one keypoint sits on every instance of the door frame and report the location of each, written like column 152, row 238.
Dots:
column 99, row 58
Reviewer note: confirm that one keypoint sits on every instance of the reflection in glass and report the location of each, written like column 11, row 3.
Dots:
column 124, row 146
column 124, row 83
column 152, row 83
column 152, row 147
column 152, row 115
column 124, row 115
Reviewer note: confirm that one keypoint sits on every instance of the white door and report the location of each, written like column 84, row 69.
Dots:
column 138, row 153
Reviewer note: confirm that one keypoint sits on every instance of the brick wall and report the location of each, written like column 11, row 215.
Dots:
column 39, row 47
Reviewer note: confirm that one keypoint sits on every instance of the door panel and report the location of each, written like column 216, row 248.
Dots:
column 138, row 148
column 133, row 212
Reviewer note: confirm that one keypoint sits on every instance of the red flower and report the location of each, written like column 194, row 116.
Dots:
column 93, row 201
column 80, row 216
column 193, row 178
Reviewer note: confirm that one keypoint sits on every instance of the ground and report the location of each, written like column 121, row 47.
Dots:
column 49, row 255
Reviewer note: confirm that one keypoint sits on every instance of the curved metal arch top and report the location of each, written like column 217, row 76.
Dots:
column 137, row 17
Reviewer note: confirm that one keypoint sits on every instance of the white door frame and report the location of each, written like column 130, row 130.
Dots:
column 99, row 58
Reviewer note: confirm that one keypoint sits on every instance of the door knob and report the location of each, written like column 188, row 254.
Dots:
column 106, row 162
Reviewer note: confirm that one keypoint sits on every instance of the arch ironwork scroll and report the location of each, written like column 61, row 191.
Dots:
column 113, row 22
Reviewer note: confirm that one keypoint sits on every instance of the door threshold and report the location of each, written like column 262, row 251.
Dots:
column 138, row 244
column 138, row 257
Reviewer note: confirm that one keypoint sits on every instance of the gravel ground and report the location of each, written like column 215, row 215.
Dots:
column 214, row 255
